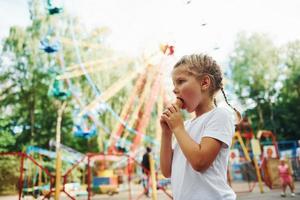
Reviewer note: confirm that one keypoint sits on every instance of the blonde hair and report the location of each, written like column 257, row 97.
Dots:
column 199, row 65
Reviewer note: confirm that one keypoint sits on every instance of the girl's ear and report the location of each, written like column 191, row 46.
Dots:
column 205, row 82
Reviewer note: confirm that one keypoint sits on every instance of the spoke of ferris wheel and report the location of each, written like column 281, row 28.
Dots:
column 89, row 64
column 77, row 99
column 83, row 44
column 79, row 72
column 127, row 109
column 145, row 118
column 110, row 92
column 92, row 62
column 134, row 115
column 142, row 98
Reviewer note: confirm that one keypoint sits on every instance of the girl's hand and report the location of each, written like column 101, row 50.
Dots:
column 172, row 117
column 164, row 126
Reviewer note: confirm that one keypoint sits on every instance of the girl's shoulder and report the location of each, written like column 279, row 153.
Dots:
column 223, row 113
column 218, row 113
column 222, row 110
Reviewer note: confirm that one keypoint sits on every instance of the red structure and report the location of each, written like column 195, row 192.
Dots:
column 246, row 131
column 89, row 157
column 264, row 135
column 268, row 161
column 129, row 169
column 51, row 176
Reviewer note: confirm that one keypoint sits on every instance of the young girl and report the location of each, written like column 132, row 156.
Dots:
column 285, row 177
column 197, row 164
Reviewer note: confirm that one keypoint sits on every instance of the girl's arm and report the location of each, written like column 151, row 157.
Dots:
column 200, row 156
column 166, row 154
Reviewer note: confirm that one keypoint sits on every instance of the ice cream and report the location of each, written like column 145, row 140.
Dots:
column 179, row 102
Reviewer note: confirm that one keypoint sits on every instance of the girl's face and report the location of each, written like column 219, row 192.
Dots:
column 188, row 88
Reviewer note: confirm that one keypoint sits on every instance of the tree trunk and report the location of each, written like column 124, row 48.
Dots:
column 261, row 117
column 32, row 117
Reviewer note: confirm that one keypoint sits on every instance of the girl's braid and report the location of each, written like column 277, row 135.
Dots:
column 236, row 111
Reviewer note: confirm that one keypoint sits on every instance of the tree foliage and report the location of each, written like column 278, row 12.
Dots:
column 266, row 81
column 287, row 106
column 27, row 73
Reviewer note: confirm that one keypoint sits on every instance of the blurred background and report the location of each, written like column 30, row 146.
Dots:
column 84, row 81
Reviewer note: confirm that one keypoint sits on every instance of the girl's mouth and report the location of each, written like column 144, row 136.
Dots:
column 181, row 99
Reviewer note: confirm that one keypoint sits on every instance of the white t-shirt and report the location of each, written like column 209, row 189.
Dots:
column 188, row 184
column 298, row 152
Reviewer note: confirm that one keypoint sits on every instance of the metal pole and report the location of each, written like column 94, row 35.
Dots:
column 258, row 175
column 89, row 179
column 129, row 163
column 21, row 176
column 40, row 172
column 58, row 153
column 153, row 178
column 238, row 135
column 58, row 174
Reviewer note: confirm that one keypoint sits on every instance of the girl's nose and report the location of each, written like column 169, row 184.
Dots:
column 175, row 91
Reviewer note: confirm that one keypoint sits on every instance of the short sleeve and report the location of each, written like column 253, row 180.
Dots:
column 298, row 152
column 220, row 126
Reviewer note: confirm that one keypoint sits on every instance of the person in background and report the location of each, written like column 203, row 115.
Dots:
column 146, row 170
column 285, row 178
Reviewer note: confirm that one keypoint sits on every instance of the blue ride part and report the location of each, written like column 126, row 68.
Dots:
column 87, row 134
column 57, row 91
column 49, row 48
column 53, row 10
column 68, row 157
column 123, row 145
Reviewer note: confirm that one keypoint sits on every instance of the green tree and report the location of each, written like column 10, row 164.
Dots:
column 287, row 107
column 26, row 79
column 9, row 174
column 24, row 92
column 255, row 66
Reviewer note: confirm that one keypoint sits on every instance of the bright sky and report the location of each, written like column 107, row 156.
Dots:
column 137, row 24
column 140, row 24
column 143, row 24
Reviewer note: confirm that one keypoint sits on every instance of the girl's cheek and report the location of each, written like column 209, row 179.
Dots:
column 185, row 92
column 189, row 94
column 190, row 98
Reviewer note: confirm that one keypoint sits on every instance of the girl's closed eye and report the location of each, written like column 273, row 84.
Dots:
column 180, row 81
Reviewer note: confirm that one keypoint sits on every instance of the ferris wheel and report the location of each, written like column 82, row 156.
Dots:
column 116, row 99
column 134, row 116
